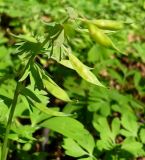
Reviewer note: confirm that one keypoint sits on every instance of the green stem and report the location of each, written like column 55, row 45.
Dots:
column 13, row 106
column 11, row 114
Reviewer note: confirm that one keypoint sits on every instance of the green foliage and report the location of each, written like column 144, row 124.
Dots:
column 82, row 136
column 46, row 48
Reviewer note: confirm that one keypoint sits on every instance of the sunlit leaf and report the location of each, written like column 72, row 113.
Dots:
column 55, row 90
column 83, row 71
column 75, row 131
column 75, row 150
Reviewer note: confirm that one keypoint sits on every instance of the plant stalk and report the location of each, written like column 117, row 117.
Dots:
column 13, row 106
column 12, row 110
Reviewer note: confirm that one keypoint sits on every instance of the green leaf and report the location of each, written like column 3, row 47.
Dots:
column 132, row 146
column 28, row 38
column 53, row 29
column 72, row 148
column 26, row 73
column 23, row 132
column 105, row 144
column 57, row 53
column 73, row 129
column 100, row 56
column 105, row 109
column 27, row 49
column 137, row 78
column 37, row 116
column 69, row 29
column 142, row 135
column 35, row 95
column 68, row 64
column 25, row 38
column 49, row 111
column 72, row 13
column 130, row 124
column 115, row 75
column 107, row 140
column 3, row 112
column 3, row 51
column 60, row 39
column 54, row 89
column 83, row 71
column 28, row 93
column 13, row 136
column 115, row 127
column 102, row 126
column 43, row 79
column 37, row 76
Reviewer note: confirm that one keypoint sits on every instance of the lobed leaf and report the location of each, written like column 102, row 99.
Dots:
column 75, row 150
column 73, row 129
